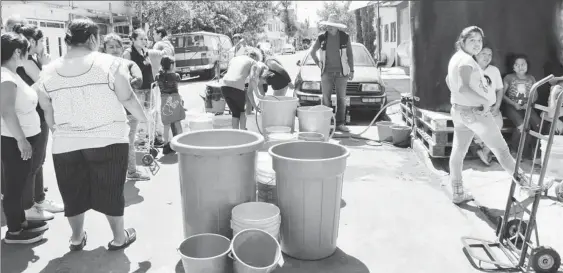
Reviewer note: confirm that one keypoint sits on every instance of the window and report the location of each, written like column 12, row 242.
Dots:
column 47, row 45
column 60, row 47
column 122, row 29
column 361, row 57
column 386, row 39
column 394, row 32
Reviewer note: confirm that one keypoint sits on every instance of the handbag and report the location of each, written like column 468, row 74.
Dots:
column 172, row 109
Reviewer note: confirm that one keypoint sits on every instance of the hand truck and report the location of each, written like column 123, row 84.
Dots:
column 514, row 231
column 147, row 148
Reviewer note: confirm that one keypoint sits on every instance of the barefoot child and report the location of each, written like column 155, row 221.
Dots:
column 172, row 108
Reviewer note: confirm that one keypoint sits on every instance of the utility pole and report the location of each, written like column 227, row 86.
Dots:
column 110, row 19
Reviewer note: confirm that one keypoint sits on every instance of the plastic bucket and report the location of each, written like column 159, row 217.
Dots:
column 316, row 119
column 401, row 135
column 259, row 215
column 384, row 130
column 278, row 111
column 310, row 136
column 309, row 177
column 201, row 124
column 205, row 253
column 217, row 172
column 277, row 138
column 265, row 179
column 255, row 251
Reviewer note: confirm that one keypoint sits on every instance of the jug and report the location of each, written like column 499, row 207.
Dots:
column 318, row 119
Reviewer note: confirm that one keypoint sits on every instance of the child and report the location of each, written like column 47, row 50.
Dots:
column 517, row 87
column 172, row 107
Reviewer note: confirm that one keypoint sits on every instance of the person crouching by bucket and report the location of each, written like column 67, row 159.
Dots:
column 233, row 90
column 277, row 77
column 172, row 107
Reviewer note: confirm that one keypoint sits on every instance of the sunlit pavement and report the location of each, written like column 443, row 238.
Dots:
column 397, row 217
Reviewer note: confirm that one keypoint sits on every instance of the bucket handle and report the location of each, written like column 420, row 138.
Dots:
column 333, row 126
column 280, row 262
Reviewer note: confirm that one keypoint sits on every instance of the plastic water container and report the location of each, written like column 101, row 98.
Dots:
column 259, row 215
column 317, row 119
column 278, row 111
column 309, row 178
column 222, row 122
column 384, row 130
column 310, row 136
column 206, row 253
column 265, row 179
column 255, row 251
column 217, row 172
column 555, row 157
column 401, row 135
column 277, row 138
column 278, row 130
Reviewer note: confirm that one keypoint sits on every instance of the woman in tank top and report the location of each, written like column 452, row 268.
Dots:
column 88, row 91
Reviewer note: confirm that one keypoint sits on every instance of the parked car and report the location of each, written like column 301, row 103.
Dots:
column 288, row 48
column 201, row 53
column 364, row 92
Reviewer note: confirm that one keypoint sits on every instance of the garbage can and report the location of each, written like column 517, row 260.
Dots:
column 217, row 172
column 309, row 178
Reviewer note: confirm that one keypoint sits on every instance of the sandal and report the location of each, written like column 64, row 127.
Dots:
column 131, row 238
column 80, row 246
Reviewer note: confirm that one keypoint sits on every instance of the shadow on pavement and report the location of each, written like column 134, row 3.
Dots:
column 16, row 258
column 339, row 262
column 131, row 194
column 488, row 215
column 169, row 159
column 94, row 261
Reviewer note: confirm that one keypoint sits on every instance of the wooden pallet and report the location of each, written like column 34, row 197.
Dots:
column 426, row 116
column 444, row 137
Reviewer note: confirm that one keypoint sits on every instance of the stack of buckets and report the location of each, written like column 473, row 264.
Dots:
column 397, row 134
column 258, row 215
column 265, row 179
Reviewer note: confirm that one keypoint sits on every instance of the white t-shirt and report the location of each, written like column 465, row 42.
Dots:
column 493, row 74
column 477, row 81
column 26, row 102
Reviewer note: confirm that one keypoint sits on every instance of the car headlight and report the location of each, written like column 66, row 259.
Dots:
column 371, row 87
column 311, row 86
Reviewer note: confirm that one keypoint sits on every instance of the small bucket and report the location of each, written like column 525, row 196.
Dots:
column 310, row 136
column 204, row 122
column 384, row 130
column 258, row 215
column 255, row 251
column 205, row 253
column 401, row 135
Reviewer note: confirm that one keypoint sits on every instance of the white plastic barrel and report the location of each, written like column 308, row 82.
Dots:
column 278, row 111
column 255, row 251
column 259, row 215
column 309, row 178
column 206, row 253
column 217, row 172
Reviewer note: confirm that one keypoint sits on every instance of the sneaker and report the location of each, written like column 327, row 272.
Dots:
column 137, row 176
column 167, row 149
column 37, row 214
column 459, row 198
column 158, row 143
column 50, row 206
column 342, row 128
column 23, row 237
column 483, row 157
column 36, row 226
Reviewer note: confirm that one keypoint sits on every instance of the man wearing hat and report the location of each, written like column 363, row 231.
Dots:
column 240, row 46
column 336, row 64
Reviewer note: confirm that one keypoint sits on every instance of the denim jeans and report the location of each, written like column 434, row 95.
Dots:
column 336, row 80
column 34, row 191
column 470, row 122
column 517, row 118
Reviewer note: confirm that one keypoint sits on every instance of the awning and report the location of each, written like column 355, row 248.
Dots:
column 358, row 5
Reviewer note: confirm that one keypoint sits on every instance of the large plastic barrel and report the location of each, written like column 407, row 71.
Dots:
column 309, row 178
column 217, row 172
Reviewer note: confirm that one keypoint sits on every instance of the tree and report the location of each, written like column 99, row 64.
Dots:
column 169, row 14
column 290, row 25
column 359, row 37
column 368, row 32
column 341, row 10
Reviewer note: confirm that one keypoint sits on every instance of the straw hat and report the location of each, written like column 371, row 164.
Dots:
column 333, row 22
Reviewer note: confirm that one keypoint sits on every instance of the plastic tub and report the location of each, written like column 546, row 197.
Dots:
column 205, row 253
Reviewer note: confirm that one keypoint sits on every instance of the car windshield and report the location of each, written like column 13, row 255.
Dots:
column 361, row 57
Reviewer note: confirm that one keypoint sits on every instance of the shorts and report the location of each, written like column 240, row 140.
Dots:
column 235, row 99
column 93, row 179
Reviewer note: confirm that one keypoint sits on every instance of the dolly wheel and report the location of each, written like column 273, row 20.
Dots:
column 512, row 233
column 147, row 160
column 545, row 260
column 559, row 192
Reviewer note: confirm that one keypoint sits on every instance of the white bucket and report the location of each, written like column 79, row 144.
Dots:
column 277, row 138
column 265, row 179
column 316, row 119
column 310, row 136
column 384, row 130
column 258, row 215
column 278, row 129
column 555, row 157
column 205, row 253
column 255, row 251
column 278, row 111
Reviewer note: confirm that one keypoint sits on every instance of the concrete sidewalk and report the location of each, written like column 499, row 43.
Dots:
column 397, row 218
